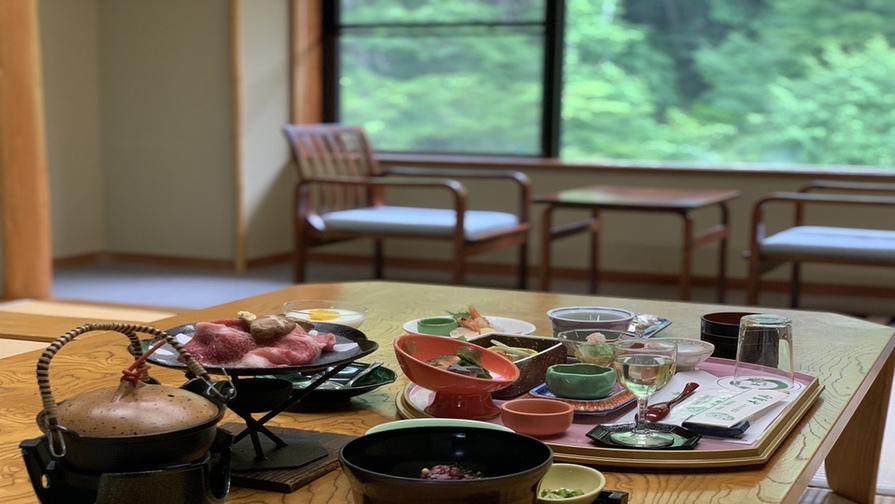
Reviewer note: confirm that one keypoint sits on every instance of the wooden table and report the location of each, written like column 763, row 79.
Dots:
column 852, row 358
column 640, row 199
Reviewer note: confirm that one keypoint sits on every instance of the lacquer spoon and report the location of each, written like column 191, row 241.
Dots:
column 658, row 411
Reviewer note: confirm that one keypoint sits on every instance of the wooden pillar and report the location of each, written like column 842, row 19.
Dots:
column 237, row 103
column 27, row 256
column 307, row 61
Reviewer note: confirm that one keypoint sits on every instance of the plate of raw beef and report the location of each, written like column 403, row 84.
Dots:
column 230, row 354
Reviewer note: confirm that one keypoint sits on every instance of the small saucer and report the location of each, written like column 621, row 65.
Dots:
column 684, row 439
column 617, row 399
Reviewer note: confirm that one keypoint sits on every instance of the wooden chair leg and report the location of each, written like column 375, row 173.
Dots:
column 377, row 259
column 523, row 266
column 459, row 276
column 299, row 259
column 794, row 283
column 752, row 283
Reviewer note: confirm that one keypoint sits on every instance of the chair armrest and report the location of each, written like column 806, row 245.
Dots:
column 458, row 191
column 837, row 185
column 518, row 177
column 453, row 185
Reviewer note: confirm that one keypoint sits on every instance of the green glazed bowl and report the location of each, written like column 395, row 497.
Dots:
column 580, row 381
column 439, row 326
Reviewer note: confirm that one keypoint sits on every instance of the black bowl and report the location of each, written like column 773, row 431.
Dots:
column 385, row 467
column 722, row 329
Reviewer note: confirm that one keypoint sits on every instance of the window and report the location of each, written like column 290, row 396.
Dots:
column 693, row 81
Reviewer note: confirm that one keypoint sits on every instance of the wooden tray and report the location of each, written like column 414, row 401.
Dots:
column 574, row 446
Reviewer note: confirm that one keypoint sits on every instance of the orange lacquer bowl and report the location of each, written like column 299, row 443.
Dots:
column 456, row 395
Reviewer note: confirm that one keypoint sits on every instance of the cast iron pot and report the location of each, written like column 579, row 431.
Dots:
column 133, row 450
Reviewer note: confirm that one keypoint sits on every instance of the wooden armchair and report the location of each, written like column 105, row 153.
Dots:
column 341, row 196
column 819, row 244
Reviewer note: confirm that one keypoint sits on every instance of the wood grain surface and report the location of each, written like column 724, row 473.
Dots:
column 852, row 359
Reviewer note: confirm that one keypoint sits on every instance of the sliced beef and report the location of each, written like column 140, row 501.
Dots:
column 215, row 344
column 263, row 357
column 228, row 343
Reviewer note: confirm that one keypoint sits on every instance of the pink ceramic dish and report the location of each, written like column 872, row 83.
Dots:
column 537, row 417
column 456, row 395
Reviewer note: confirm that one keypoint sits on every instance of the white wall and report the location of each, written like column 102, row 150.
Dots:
column 70, row 50
column 165, row 111
column 268, row 177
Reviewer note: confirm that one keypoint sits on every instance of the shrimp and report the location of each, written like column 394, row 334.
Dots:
column 475, row 322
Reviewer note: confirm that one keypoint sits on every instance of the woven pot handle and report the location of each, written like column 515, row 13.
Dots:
column 129, row 330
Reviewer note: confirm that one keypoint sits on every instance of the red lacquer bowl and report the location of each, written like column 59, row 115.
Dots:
column 456, row 395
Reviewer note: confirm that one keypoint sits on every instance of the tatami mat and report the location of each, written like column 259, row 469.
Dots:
column 85, row 310
column 15, row 347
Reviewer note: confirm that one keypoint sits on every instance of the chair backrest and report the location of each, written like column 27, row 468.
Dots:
column 334, row 151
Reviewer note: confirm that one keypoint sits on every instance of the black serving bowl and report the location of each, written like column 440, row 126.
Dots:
column 722, row 329
column 384, row 467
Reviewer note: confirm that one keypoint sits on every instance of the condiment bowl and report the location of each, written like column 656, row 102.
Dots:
column 593, row 352
column 439, row 326
column 385, row 467
column 690, row 352
column 456, row 395
column 589, row 317
column 332, row 312
column 532, row 368
column 538, row 417
column 571, row 477
column 580, row 381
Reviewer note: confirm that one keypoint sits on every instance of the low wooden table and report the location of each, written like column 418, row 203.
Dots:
column 641, row 199
column 852, row 358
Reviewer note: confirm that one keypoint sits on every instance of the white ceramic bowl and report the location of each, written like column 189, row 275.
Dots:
column 589, row 317
column 572, row 477
column 690, row 352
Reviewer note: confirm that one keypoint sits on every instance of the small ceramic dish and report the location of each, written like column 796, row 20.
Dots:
column 618, row 399
column 537, row 417
column 439, row 326
column 589, row 317
column 333, row 312
column 580, row 380
column 571, row 477
column 690, row 352
column 577, row 345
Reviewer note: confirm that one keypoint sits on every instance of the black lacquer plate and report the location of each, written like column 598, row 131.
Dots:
column 167, row 355
column 333, row 390
column 683, row 439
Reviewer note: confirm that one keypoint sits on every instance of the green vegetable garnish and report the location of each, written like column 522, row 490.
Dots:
column 470, row 357
column 560, row 493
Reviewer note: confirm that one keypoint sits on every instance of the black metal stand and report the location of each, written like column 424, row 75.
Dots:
column 277, row 451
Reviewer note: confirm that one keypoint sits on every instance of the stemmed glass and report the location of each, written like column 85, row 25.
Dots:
column 643, row 367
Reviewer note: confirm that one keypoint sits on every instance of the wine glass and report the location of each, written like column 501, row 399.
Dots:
column 643, row 367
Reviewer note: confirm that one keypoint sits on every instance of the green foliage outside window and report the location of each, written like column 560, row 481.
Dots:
column 693, row 81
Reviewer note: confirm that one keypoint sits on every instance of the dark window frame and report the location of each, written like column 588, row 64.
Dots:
column 551, row 99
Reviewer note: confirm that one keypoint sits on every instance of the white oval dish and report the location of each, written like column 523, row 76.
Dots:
column 690, row 351
column 499, row 324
